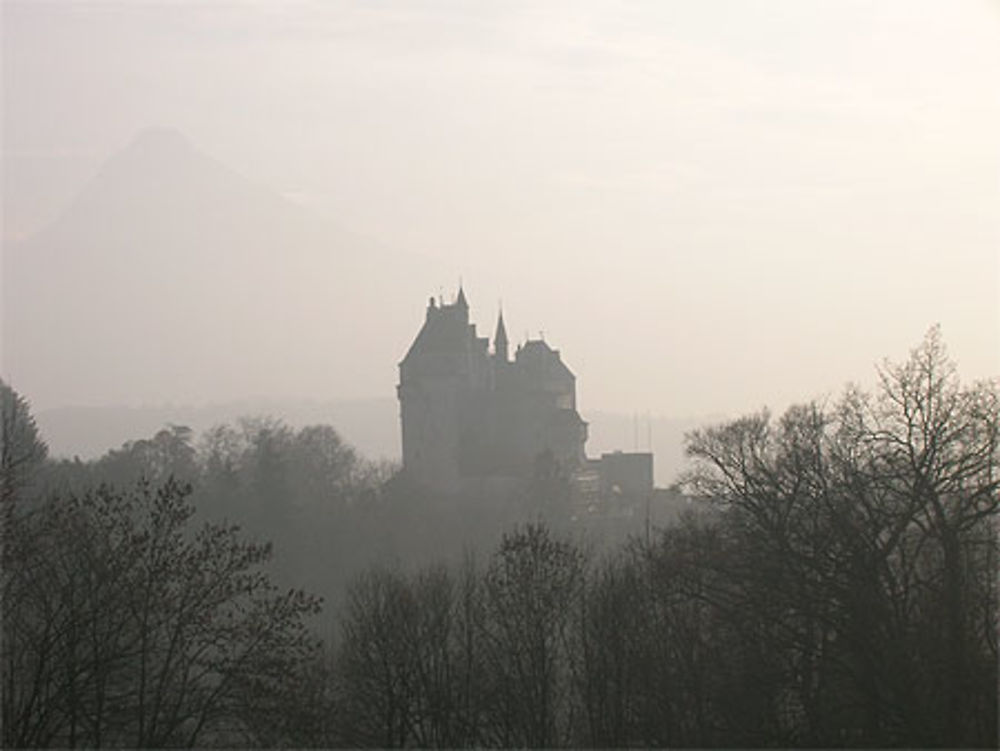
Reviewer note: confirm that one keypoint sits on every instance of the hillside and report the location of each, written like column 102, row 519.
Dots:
column 170, row 277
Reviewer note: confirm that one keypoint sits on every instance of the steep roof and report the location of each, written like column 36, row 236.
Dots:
column 536, row 354
column 446, row 330
column 501, row 332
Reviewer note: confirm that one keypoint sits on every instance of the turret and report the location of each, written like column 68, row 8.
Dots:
column 500, row 340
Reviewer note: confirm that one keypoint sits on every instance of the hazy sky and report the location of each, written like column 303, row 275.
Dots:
column 707, row 205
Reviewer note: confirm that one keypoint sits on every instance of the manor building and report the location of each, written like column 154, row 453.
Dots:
column 471, row 411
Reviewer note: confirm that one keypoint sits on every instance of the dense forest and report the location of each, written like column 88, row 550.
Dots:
column 833, row 584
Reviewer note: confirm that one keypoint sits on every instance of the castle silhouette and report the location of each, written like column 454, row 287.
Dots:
column 471, row 413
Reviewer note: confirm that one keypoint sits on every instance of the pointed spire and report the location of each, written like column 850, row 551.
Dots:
column 500, row 339
column 461, row 297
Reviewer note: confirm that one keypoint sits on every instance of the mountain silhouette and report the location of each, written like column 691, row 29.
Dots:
column 172, row 277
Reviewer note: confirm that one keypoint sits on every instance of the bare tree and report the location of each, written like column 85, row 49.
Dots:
column 872, row 528
column 932, row 448
column 532, row 590
column 124, row 627
column 377, row 666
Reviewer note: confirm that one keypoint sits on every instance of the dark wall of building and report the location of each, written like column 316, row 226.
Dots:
column 629, row 474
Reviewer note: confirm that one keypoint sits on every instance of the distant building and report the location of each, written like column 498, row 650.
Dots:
column 469, row 412
column 628, row 474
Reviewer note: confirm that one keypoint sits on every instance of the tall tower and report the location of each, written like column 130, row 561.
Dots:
column 441, row 380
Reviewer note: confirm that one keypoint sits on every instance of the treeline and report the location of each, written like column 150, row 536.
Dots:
column 156, row 596
column 327, row 512
column 842, row 593
column 837, row 588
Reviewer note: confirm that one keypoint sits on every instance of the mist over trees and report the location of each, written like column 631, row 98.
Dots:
column 125, row 627
column 833, row 586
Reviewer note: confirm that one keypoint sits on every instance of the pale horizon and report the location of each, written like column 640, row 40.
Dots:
column 708, row 209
